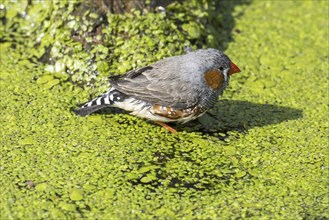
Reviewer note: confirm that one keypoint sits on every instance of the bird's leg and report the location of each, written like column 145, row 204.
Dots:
column 167, row 127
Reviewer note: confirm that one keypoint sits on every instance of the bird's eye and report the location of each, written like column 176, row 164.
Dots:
column 221, row 68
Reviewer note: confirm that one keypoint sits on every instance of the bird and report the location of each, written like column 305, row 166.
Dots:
column 175, row 89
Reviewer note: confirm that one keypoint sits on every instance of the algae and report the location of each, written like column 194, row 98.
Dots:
column 261, row 152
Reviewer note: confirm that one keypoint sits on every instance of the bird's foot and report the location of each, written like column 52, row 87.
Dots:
column 167, row 127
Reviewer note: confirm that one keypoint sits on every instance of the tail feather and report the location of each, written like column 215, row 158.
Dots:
column 103, row 101
column 84, row 111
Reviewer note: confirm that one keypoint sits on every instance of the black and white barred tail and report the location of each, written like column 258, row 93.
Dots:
column 102, row 101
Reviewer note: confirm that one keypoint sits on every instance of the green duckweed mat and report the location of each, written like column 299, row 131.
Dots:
column 261, row 152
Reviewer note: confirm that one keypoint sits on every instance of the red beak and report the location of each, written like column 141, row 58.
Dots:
column 234, row 69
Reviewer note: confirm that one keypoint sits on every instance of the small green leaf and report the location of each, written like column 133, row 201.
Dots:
column 240, row 174
column 76, row 195
column 230, row 151
column 67, row 206
column 148, row 178
column 193, row 29
column 27, row 141
column 41, row 186
column 44, row 79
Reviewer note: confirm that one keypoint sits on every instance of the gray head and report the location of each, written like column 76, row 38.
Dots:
column 203, row 61
column 212, row 59
column 208, row 72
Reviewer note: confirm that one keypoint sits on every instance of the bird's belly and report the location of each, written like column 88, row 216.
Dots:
column 145, row 110
column 140, row 109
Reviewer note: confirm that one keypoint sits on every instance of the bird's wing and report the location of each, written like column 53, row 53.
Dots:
column 159, row 84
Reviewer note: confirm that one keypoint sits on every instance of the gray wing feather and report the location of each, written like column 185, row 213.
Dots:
column 159, row 83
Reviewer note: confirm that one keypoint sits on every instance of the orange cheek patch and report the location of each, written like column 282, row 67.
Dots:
column 214, row 79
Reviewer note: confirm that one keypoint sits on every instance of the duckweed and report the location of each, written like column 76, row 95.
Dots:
column 260, row 153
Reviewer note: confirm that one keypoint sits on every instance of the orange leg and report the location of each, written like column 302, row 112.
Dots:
column 170, row 129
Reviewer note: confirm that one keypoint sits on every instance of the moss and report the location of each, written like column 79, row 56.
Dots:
column 261, row 153
column 88, row 43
